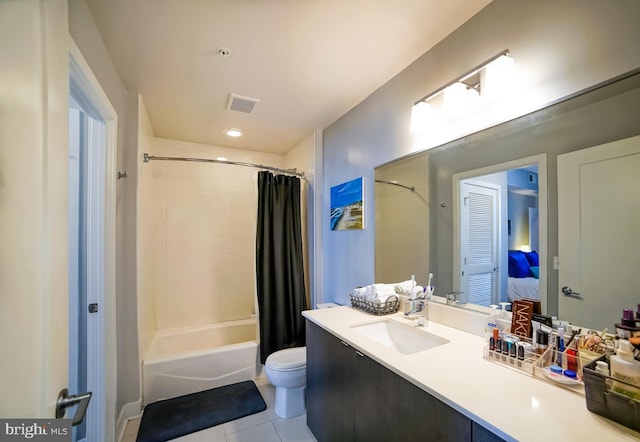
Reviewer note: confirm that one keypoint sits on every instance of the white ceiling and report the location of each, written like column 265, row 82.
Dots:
column 307, row 61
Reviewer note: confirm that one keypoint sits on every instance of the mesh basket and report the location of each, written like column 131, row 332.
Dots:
column 391, row 305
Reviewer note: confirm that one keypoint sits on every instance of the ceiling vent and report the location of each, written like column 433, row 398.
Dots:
column 241, row 104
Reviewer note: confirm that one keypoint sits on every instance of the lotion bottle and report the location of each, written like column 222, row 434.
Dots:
column 625, row 368
column 491, row 322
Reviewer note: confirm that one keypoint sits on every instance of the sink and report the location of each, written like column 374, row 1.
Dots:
column 403, row 338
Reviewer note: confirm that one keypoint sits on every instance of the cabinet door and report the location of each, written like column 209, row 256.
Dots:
column 423, row 417
column 481, row 434
column 374, row 418
column 329, row 394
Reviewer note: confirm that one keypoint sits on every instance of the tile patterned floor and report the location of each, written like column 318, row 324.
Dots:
column 259, row 427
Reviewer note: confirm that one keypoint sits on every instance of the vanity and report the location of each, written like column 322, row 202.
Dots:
column 378, row 378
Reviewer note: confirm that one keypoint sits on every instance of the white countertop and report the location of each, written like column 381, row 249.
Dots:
column 511, row 404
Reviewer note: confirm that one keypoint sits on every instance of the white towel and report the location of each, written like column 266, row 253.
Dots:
column 375, row 292
column 404, row 287
column 417, row 291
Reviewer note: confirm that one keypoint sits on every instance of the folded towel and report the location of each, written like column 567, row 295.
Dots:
column 417, row 291
column 375, row 292
column 404, row 287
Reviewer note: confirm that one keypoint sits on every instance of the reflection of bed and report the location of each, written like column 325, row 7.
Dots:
column 519, row 288
column 523, row 279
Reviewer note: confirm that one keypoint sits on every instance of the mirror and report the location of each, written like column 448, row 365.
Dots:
column 417, row 223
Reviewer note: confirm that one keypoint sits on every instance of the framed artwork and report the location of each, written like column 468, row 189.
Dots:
column 347, row 205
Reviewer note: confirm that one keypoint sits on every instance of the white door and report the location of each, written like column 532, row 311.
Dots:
column 479, row 241
column 34, row 87
column 34, row 219
column 598, row 221
column 86, row 258
column 91, row 223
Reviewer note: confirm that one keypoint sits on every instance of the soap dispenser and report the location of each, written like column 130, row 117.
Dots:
column 491, row 322
column 503, row 320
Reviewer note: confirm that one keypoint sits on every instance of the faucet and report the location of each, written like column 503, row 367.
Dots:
column 453, row 298
column 417, row 305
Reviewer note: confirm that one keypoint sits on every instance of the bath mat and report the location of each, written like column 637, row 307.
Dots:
column 171, row 418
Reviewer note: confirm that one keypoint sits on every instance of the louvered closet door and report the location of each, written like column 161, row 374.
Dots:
column 479, row 243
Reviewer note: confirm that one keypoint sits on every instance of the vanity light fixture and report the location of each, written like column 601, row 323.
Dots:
column 233, row 132
column 487, row 82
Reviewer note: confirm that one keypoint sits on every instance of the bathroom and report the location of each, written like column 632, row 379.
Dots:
column 339, row 261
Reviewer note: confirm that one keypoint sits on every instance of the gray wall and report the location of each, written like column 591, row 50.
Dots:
column 560, row 47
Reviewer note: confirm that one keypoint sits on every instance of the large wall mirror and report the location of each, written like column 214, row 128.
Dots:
column 482, row 212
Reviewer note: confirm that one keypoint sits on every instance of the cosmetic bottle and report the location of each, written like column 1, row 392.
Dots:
column 602, row 368
column 625, row 368
column 560, row 346
column 503, row 320
column 542, row 341
column 626, row 328
column 492, row 321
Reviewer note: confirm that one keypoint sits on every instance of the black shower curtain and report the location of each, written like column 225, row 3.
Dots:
column 279, row 264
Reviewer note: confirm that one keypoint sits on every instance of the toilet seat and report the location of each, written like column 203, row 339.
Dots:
column 289, row 359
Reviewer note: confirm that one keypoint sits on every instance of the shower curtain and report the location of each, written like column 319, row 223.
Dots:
column 279, row 264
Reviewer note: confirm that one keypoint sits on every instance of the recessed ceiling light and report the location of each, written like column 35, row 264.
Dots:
column 233, row 132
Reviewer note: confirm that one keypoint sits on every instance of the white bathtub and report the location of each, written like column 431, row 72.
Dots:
column 187, row 360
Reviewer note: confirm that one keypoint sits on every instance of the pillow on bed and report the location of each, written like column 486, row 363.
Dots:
column 535, row 271
column 533, row 258
column 518, row 264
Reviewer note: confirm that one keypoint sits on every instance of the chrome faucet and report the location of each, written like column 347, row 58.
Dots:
column 453, row 298
column 417, row 305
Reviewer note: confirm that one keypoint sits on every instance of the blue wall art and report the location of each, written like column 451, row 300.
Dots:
column 347, row 205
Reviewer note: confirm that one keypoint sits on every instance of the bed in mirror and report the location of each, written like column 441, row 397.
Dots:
column 481, row 211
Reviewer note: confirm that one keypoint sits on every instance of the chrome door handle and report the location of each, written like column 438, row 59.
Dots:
column 64, row 401
column 568, row 292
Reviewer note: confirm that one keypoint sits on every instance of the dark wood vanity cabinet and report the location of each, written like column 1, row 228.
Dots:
column 351, row 397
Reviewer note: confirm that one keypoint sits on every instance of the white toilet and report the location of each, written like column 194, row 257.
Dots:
column 287, row 371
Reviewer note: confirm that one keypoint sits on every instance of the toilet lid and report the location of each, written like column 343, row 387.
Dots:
column 288, row 359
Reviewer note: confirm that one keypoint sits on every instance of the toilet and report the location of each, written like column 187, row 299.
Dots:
column 287, row 371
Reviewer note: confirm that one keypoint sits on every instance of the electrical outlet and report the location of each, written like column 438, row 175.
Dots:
column 556, row 263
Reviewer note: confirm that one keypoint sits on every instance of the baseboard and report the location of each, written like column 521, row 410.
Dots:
column 130, row 410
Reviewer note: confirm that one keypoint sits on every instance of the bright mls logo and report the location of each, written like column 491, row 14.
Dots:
column 45, row 430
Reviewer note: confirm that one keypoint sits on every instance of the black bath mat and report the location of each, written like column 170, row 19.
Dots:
column 171, row 418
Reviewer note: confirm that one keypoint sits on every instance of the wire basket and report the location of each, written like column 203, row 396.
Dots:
column 391, row 305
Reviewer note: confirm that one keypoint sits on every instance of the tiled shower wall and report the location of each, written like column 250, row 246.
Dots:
column 197, row 232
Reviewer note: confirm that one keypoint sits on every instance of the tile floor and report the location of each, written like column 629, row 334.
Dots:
column 259, row 427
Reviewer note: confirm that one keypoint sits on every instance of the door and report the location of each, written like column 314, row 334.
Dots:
column 86, row 255
column 91, row 242
column 34, row 218
column 34, row 86
column 479, row 242
column 598, row 219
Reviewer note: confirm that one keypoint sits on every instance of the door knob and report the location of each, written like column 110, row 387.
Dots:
column 568, row 292
column 64, row 401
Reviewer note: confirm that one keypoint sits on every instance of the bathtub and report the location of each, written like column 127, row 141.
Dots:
column 187, row 360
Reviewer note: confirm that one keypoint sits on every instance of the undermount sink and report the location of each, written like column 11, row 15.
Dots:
column 403, row 338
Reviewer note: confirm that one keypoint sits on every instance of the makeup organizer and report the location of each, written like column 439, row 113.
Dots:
column 560, row 368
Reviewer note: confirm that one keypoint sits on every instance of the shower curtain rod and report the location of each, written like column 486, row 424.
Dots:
column 412, row 189
column 295, row 172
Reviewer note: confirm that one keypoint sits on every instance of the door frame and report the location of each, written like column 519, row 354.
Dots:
column 90, row 89
column 541, row 161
